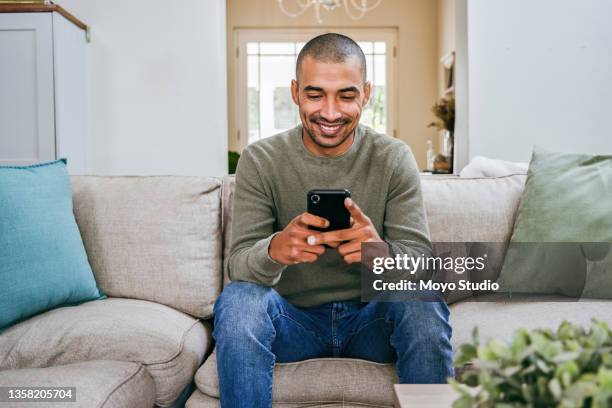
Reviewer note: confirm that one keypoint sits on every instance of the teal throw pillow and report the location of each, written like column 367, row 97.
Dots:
column 43, row 263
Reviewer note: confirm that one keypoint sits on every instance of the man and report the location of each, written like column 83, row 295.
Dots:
column 296, row 291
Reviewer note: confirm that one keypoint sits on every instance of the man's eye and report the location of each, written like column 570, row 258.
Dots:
column 313, row 96
column 348, row 97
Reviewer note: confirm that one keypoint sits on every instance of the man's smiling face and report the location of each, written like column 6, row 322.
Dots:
column 330, row 97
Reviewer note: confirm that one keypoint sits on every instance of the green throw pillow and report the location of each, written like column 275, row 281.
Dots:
column 563, row 229
column 43, row 263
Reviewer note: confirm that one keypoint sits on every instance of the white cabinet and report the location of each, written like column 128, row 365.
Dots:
column 42, row 90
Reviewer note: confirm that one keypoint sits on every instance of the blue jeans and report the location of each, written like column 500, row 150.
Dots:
column 255, row 327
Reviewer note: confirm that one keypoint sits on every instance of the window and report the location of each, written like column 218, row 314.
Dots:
column 266, row 65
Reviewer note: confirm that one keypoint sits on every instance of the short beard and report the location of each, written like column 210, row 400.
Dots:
column 314, row 139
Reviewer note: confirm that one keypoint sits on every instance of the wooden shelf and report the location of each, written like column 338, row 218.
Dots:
column 41, row 8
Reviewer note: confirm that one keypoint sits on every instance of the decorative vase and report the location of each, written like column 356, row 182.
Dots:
column 448, row 148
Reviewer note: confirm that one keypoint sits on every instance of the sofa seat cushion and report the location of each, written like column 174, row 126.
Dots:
column 200, row 400
column 500, row 320
column 319, row 380
column 101, row 383
column 171, row 344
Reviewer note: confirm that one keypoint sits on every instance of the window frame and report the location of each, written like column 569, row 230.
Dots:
column 242, row 36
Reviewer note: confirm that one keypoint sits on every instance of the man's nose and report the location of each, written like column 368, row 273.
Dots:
column 329, row 111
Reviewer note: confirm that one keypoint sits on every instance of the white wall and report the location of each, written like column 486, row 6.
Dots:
column 540, row 72
column 157, row 77
column 462, row 91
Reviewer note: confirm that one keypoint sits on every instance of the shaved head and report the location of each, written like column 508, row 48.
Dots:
column 331, row 48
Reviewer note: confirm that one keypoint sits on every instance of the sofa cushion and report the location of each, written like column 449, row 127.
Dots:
column 471, row 217
column 501, row 319
column 568, row 199
column 471, row 209
column 43, row 263
column 481, row 166
column 101, row 383
column 171, row 344
column 200, row 400
column 319, row 380
column 153, row 238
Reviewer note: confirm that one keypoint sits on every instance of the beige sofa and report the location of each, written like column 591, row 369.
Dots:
column 157, row 245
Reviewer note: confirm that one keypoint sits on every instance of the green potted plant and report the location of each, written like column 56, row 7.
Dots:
column 232, row 161
column 444, row 111
column 568, row 368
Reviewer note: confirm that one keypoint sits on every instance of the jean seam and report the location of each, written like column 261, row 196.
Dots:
column 360, row 329
column 301, row 325
column 270, row 390
column 333, row 331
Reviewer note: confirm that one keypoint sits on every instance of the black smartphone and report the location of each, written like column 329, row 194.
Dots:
column 329, row 204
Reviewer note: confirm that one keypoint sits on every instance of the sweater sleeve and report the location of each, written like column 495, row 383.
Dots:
column 252, row 227
column 405, row 224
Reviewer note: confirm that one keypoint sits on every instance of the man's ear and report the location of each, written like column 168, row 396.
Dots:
column 294, row 91
column 367, row 90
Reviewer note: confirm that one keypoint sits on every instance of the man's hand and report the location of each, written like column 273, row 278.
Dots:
column 289, row 246
column 349, row 240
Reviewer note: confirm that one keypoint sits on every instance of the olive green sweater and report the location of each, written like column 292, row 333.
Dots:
column 272, row 180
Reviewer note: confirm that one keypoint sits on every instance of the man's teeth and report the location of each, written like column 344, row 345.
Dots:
column 329, row 129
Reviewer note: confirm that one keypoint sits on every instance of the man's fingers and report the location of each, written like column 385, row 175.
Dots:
column 334, row 236
column 302, row 233
column 306, row 257
column 315, row 249
column 353, row 257
column 307, row 219
column 349, row 247
column 305, row 253
column 302, row 256
column 355, row 211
